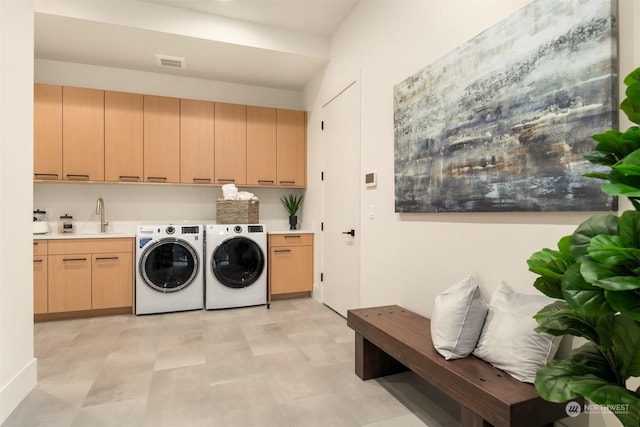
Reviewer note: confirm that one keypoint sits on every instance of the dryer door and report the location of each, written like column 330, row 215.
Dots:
column 169, row 265
column 237, row 262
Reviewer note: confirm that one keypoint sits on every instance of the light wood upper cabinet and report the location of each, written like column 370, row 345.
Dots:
column 291, row 148
column 161, row 139
column 82, row 134
column 123, row 136
column 196, row 141
column 47, row 132
column 230, row 144
column 261, row 146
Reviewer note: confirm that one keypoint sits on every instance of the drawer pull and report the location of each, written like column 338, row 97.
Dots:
column 205, row 180
column 292, row 236
column 157, row 178
column 78, row 177
column 46, row 175
column 226, row 180
column 129, row 178
column 73, row 259
column 106, row 258
column 265, row 181
column 37, row 260
column 282, row 250
column 287, row 182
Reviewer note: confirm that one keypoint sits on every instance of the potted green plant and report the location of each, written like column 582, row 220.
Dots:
column 595, row 277
column 291, row 204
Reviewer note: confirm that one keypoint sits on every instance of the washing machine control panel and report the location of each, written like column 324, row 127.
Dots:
column 255, row 229
column 237, row 229
column 170, row 230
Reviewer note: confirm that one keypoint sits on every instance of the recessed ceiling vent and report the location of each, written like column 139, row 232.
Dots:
column 171, row 61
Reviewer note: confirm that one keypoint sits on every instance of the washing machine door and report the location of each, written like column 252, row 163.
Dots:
column 169, row 265
column 237, row 262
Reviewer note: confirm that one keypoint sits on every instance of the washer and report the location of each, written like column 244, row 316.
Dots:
column 236, row 265
column 169, row 271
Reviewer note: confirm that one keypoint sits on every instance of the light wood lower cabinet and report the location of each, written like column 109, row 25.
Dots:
column 82, row 275
column 40, row 295
column 290, row 264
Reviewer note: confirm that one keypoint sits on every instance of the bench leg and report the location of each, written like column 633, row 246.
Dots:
column 468, row 418
column 371, row 362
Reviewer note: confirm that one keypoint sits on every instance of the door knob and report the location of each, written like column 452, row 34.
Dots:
column 352, row 232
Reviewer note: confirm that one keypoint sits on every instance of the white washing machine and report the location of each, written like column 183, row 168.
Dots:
column 169, row 268
column 236, row 265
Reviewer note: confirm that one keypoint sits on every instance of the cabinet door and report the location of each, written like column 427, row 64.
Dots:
column 112, row 280
column 261, row 146
column 161, row 139
column 69, row 282
column 196, row 142
column 231, row 143
column 40, row 284
column 292, row 148
column 123, row 143
column 47, row 132
column 83, row 134
column 291, row 269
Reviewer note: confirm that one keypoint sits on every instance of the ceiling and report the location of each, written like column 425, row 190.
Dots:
column 270, row 43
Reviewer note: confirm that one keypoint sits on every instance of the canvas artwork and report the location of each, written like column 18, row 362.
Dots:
column 502, row 122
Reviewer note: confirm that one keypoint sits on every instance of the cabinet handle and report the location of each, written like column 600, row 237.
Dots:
column 73, row 259
column 35, row 243
column 205, row 180
column 78, row 177
column 37, row 260
column 226, row 180
column 287, row 182
column 129, row 178
column 282, row 250
column 106, row 258
column 157, row 178
column 265, row 181
column 46, row 175
column 292, row 236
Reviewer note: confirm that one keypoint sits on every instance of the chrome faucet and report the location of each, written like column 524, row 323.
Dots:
column 100, row 211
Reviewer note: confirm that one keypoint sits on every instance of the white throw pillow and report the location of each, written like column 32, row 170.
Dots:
column 509, row 340
column 457, row 319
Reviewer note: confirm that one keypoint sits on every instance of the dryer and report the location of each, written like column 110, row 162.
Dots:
column 236, row 265
column 169, row 270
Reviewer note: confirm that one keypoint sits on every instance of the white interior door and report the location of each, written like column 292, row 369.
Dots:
column 341, row 251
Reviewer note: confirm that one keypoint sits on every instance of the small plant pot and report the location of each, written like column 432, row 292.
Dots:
column 293, row 222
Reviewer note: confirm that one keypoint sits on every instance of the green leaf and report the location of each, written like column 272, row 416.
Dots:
column 549, row 286
column 553, row 380
column 632, row 78
column 626, row 340
column 620, row 190
column 619, row 283
column 559, row 319
column 629, row 229
column 607, row 249
column 581, row 295
column 597, row 224
column 599, row 274
column 622, row 402
column 631, row 104
column 549, row 263
column 626, row 302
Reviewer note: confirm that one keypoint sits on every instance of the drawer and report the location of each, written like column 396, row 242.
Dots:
column 40, row 247
column 291, row 239
column 91, row 246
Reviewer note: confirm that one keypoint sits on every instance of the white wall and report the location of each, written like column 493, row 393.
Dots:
column 408, row 259
column 17, row 364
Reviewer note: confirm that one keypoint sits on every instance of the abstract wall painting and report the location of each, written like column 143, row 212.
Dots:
column 502, row 123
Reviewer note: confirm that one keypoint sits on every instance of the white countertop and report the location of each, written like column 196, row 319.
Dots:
column 290, row 232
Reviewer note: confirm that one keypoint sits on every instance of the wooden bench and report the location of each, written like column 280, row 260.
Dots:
column 392, row 339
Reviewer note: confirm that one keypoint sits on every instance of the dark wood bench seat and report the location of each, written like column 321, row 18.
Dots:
column 392, row 339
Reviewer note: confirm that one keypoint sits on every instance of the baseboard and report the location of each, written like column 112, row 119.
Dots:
column 17, row 389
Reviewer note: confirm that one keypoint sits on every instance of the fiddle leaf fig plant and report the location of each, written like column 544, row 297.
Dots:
column 595, row 276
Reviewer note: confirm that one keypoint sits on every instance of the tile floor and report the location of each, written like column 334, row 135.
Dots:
column 291, row 365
